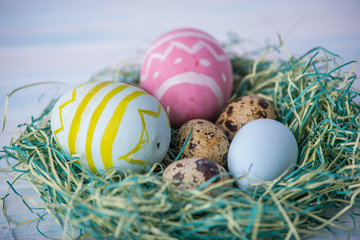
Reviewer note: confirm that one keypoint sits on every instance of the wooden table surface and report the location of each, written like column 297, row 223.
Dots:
column 69, row 41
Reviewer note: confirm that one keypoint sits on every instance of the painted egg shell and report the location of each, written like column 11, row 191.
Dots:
column 188, row 72
column 111, row 125
column 262, row 150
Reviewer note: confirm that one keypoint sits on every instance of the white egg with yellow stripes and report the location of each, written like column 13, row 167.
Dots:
column 111, row 125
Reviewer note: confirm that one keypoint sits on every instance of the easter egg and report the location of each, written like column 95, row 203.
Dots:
column 189, row 72
column 262, row 150
column 110, row 124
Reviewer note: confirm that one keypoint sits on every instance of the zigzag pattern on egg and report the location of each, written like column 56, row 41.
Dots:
column 190, row 50
column 93, row 127
column 202, row 80
column 140, row 144
column 73, row 98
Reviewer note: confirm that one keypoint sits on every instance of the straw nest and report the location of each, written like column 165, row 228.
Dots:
column 313, row 95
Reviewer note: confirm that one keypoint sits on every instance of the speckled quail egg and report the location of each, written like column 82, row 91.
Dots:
column 243, row 110
column 206, row 141
column 192, row 172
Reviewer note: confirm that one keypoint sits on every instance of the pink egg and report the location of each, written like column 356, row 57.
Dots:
column 189, row 72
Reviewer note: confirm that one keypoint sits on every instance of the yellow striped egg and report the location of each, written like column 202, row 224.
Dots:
column 111, row 125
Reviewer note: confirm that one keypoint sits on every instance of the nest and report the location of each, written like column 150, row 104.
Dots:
column 314, row 98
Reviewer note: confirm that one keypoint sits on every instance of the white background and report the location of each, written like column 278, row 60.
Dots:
column 69, row 41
